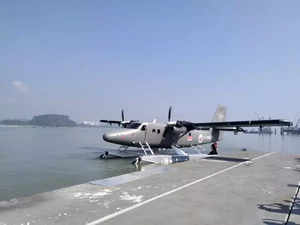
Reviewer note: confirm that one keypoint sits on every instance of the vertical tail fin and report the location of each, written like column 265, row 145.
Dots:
column 219, row 116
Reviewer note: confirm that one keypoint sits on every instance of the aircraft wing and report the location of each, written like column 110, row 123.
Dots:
column 232, row 125
column 245, row 123
column 132, row 124
column 111, row 121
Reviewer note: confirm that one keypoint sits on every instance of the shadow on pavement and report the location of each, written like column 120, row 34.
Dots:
column 275, row 207
column 276, row 222
column 228, row 159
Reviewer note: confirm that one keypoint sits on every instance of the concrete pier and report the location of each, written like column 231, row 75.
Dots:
column 244, row 188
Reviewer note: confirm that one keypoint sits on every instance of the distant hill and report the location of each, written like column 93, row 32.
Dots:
column 47, row 120
column 52, row 120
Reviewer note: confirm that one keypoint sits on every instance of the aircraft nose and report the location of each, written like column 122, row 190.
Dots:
column 107, row 137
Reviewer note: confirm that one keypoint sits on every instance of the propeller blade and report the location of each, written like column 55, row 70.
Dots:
column 169, row 115
column 122, row 114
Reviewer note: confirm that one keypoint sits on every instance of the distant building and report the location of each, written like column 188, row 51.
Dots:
column 90, row 123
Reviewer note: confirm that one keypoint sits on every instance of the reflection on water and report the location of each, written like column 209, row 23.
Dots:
column 36, row 160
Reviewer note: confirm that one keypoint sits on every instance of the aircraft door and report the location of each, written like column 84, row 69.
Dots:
column 141, row 135
column 153, row 134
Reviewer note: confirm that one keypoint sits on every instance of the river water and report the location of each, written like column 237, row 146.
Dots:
column 34, row 160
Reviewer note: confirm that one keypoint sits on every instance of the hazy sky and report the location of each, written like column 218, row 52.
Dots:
column 89, row 59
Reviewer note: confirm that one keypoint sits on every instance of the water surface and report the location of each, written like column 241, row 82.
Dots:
column 35, row 160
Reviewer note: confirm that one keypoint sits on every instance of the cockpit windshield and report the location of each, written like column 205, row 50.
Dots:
column 133, row 125
column 143, row 127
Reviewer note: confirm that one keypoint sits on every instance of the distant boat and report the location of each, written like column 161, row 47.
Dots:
column 295, row 130
column 266, row 130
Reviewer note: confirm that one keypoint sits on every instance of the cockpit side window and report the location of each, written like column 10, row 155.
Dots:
column 144, row 127
column 133, row 125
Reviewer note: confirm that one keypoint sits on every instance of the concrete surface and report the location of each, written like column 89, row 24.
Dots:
column 224, row 191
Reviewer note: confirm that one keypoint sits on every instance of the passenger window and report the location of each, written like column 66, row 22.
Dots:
column 143, row 127
column 153, row 131
column 158, row 131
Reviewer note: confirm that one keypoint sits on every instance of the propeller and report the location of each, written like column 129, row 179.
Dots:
column 122, row 114
column 169, row 114
column 123, row 123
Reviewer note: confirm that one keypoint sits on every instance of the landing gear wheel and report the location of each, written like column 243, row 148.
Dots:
column 104, row 155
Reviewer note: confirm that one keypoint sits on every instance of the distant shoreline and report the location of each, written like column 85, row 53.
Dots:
column 32, row 126
column 45, row 120
column 48, row 120
column 4, row 125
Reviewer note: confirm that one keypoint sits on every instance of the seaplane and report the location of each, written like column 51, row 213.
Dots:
column 154, row 140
